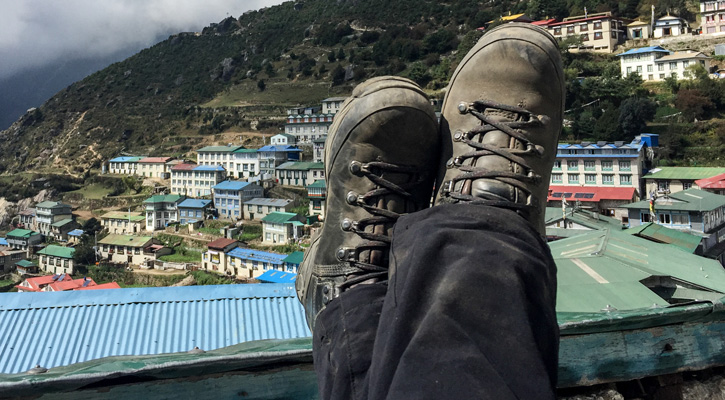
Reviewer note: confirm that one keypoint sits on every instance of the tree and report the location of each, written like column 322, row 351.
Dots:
column 84, row 253
column 340, row 54
column 634, row 114
column 331, row 56
column 693, row 104
column 261, row 85
column 338, row 75
column 92, row 226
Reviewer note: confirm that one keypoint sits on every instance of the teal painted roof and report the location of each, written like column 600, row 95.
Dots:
column 26, row 264
column 295, row 258
column 125, row 240
column 62, row 222
column 300, row 166
column 687, row 200
column 160, row 198
column 278, row 217
column 24, row 233
column 663, row 234
column 687, row 173
column 50, row 204
column 606, row 268
column 590, row 219
column 320, row 183
column 58, row 251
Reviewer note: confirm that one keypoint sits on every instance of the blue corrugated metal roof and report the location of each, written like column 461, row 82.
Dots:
column 279, row 148
column 641, row 50
column 209, row 168
column 61, row 328
column 230, row 185
column 194, row 203
column 274, row 276
column 125, row 159
column 3, row 242
column 257, row 255
column 76, row 232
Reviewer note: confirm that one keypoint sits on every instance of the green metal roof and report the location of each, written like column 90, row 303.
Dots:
column 663, row 234
column 320, row 183
column 49, row 204
column 687, row 200
column 26, row 264
column 687, row 173
column 243, row 150
column 160, row 198
column 590, row 219
column 134, row 216
column 604, row 268
column 24, row 233
column 126, row 240
column 219, row 149
column 295, row 258
column 279, row 217
column 300, row 166
column 62, row 222
column 58, row 251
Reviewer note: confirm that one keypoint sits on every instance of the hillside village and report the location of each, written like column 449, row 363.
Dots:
column 628, row 231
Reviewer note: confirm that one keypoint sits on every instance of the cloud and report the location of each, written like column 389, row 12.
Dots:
column 41, row 32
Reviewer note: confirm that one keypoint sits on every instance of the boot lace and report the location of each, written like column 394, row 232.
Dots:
column 526, row 119
column 374, row 171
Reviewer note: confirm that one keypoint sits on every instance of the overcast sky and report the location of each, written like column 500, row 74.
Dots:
column 42, row 32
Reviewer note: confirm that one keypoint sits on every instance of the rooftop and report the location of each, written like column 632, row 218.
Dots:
column 164, row 198
column 590, row 193
column 278, row 217
column 126, row 240
column 682, row 55
column 329, row 99
column 280, row 148
column 295, row 258
column 23, row 233
column 142, row 321
column 688, row 173
column 130, row 216
column 714, row 182
column 686, row 200
column 183, row 167
column 62, row 222
column 51, row 204
column 219, row 149
column 155, row 160
column 57, row 251
column 209, row 168
column 274, row 276
column 221, row 243
column 642, row 50
column 259, row 201
column 319, row 184
column 230, row 185
column 76, row 233
column 663, row 234
column 300, row 166
column 194, row 203
column 126, row 159
column 257, row 255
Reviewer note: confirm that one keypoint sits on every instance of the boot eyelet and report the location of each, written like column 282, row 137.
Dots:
column 450, row 164
column 355, row 167
column 347, row 225
column 462, row 107
column 458, row 136
column 340, row 254
column 351, row 198
column 447, row 187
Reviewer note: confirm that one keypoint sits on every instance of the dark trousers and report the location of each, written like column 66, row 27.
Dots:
column 468, row 313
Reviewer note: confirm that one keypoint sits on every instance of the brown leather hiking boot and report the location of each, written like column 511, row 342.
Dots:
column 501, row 120
column 380, row 161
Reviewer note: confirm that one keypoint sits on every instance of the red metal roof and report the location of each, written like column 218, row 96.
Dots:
column 220, row 243
column 575, row 21
column 713, row 182
column 183, row 167
column 591, row 193
column 71, row 285
column 38, row 283
column 544, row 22
column 161, row 160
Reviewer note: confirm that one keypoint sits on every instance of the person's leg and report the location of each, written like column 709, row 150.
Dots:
column 470, row 311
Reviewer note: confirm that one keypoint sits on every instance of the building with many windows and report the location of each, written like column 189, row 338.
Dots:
column 654, row 63
column 281, row 228
column 299, row 173
column 215, row 258
column 155, row 167
column 691, row 210
column 712, row 16
column 600, row 32
column 229, row 197
column 260, row 207
column 217, row 155
column 249, row 263
column 332, row 105
column 48, row 213
column 56, row 259
column 194, row 210
column 316, row 193
column 132, row 250
column 318, row 149
column 161, row 210
column 272, row 156
column 23, row 239
column 246, row 164
column 124, row 165
column 196, row 180
column 123, row 222
column 666, row 180
column 641, row 61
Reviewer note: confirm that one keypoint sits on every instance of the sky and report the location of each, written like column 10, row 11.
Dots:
column 38, row 33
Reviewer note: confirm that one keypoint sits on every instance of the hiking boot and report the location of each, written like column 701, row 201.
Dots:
column 500, row 122
column 381, row 157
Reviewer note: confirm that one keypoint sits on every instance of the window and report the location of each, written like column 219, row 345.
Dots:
column 664, row 218
column 572, row 165
column 557, row 164
column 629, row 70
column 661, row 67
column 556, row 178
column 680, row 219
column 625, row 166
column 583, row 28
column 686, row 185
column 663, row 186
column 598, row 35
column 590, row 179
column 606, row 165
column 557, row 31
column 608, row 179
column 598, row 25
column 625, row 179
column 644, row 217
column 589, row 165
column 662, row 76
column 685, row 64
column 673, row 65
column 570, row 29
column 585, row 37
column 650, row 77
column 639, row 69
column 573, row 178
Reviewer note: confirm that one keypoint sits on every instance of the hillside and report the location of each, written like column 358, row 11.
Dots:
column 239, row 75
